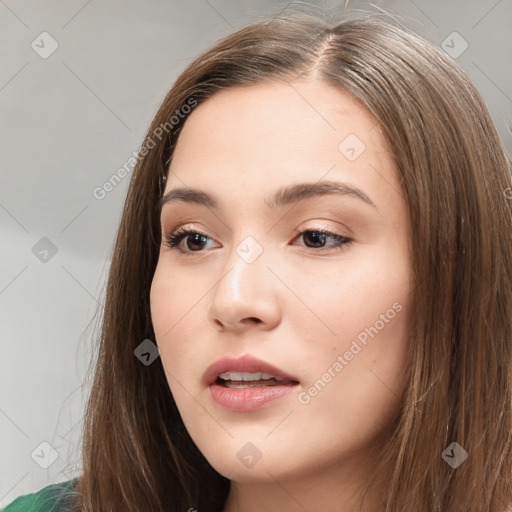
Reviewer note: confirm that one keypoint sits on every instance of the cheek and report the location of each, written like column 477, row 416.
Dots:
column 365, row 294
column 175, row 313
column 355, row 381
column 171, row 307
column 179, row 308
column 360, row 383
column 357, row 348
column 176, row 300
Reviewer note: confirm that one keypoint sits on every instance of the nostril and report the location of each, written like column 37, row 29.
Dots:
column 243, row 321
column 252, row 319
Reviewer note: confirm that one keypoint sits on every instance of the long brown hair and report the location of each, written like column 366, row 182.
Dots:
column 137, row 454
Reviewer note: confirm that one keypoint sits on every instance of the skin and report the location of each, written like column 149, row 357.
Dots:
column 296, row 306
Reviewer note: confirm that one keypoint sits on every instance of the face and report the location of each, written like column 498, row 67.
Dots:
column 281, row 300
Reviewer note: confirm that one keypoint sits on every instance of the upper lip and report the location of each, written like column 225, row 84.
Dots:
column 246, row 363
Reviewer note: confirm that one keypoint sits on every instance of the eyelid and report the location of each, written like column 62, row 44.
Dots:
column 332, row 227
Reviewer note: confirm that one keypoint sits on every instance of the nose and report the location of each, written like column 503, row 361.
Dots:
column 246, row 297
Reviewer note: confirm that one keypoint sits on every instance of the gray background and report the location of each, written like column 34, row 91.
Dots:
column 68, row 122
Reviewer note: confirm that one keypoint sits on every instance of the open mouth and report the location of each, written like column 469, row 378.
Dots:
column 249, row 380
column 247, row 384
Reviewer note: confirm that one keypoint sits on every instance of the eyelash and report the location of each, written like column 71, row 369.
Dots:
column 173, row 239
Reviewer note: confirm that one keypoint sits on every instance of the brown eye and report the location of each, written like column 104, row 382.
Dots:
column 194, row 240
column 317, row 239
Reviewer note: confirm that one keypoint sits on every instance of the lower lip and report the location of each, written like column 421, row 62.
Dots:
column 248, row 399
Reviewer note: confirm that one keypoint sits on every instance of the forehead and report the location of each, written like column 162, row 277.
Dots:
column 254, row 139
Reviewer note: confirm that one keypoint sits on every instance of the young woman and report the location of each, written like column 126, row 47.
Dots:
column 317, row 239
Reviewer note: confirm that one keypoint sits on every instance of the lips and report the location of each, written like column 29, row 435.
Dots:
column 246, row 384
column 244, row 364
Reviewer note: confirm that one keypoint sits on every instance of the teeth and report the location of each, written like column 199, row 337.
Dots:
column 246, row 376
column 249, row 384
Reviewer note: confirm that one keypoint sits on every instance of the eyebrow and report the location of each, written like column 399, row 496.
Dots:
column 284, row 196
